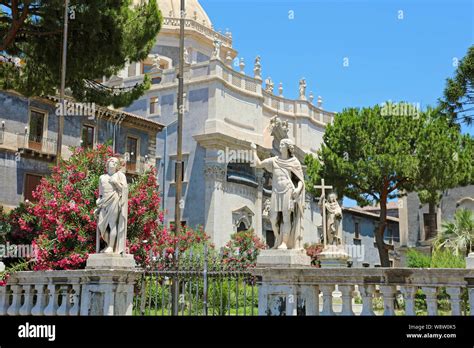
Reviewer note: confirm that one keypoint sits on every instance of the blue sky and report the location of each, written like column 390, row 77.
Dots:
column 389, row 58
column 396, row 50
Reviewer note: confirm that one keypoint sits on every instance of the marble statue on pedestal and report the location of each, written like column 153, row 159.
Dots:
column 257, row 68
column 112, row 208
column 269, row 85
column 303, row 89
column 334, row 253
column 217, row 49
column 288, row 194
column 333, row 214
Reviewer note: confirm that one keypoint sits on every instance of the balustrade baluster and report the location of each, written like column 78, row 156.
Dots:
column 346, row 295
column 52, row 300
column 40, row 300
column 327, row 299
column 367, row 294
column 4, row 299
column 388, row 293
column 409, row 298
column 63, row 294
column 16, row 301
column 455, row 299
column 75, row 297
column 28, row 300
column 431, row 299
column 471, row 299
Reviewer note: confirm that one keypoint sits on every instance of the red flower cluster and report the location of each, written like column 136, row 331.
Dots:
column 242, row 250
column 313, row 251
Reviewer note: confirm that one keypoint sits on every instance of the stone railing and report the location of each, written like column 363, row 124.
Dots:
column 347, row 291
column 238, row 79
column 289, row 107
column 69, row 293
column 30, row 142
column 200, row 28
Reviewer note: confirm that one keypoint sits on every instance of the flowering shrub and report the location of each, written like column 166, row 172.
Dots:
column 14, row 228
column 313, row 251
column 62, row 225
column 242, row 250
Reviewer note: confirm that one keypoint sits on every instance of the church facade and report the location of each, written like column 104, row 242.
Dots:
column 228, row 106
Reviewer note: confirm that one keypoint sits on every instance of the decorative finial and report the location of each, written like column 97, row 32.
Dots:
column 280, row 89
column 228, row 58
column 242, row 65
column 311, row 97
column 320, row 102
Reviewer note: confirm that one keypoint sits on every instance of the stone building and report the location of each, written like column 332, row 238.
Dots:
column 359, row 226
column 227, row 107
column 28, row 134
column 414, row 215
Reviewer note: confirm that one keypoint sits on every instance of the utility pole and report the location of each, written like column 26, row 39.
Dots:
column 179, row 149
column 63, row 84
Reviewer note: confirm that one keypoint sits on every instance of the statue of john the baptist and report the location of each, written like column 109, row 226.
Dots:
column 288, row 195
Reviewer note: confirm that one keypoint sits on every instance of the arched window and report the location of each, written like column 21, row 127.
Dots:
column 242, row 227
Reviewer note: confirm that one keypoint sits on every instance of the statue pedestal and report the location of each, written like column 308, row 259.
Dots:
column 334, row 257
column 109, row 289
column 470, row 261
column 283, row 258
column 279, row 294
column 110, row 261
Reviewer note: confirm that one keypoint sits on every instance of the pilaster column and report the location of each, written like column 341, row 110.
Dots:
column 259, row 205
column 215, row 180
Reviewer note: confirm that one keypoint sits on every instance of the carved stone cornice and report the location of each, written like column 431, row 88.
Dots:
column 215, row 171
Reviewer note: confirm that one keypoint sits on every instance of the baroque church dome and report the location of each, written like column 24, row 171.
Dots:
column 194, row 10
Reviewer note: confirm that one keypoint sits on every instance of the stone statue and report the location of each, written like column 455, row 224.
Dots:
column 217, row 49
column 187, row 55
column 112, row 208
column 257, row 70
column 333, row 218
column 269, row 85
column 228, row 59
column 155, row 58
column 280, row 89
column 288, row 195
column 303, row 89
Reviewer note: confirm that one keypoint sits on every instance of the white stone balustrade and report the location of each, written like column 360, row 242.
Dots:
column 378, row 288
column 220, row 71
column 69, row 293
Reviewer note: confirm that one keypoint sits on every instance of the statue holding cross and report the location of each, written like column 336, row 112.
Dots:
column 331, row 215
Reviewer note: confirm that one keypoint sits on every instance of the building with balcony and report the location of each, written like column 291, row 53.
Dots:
column 28, row 141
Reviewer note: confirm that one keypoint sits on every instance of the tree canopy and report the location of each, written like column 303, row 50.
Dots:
column 372, row 158
column 102, row 37
column 458, row 99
